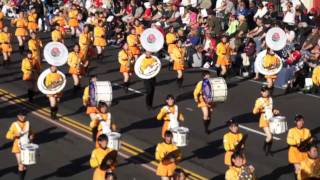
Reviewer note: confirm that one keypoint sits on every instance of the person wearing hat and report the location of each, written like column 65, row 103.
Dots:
column 178, row 57
column 167, row 164
column 30, row 68
column 238, row 166
column 231, row 141
column 206, row 107
column 98, row 160
column 20, row 133
column 298, row 137
column 170, row 115
column 52, row 80
column 264, row 107
column 223, row 52
column 310, row 167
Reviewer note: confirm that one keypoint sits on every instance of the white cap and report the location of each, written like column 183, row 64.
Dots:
column 147, row 5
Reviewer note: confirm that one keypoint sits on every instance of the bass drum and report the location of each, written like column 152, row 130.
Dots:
column 54, row 90
column 217, row 88
column 103, row 92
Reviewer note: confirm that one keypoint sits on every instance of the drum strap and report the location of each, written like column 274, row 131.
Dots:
column 106, row 125
column 24, row 138
column 173, row 117
column 268, row 114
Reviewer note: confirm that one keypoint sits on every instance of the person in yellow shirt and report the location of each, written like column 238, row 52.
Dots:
column 170, row 115
column 32, row 20
column 73, row 20
column 56, row 35
column 298, row 137
column 271, row 61
column 205, row 106
column 85, row 40
column 20, row 133
column 30, row 69
column 1, row 20
column 100, row 42
column 134, row 43
column 138, row 27
column 316, row 79
column 21, row 33
column 231, row 141
column 35, row 46
column 61, row 21
column 239, row 168
column 103, row 121
column 171, row 39
column 264, row 107
column 6, row 47
column 101, row 159
column 310, row 167
column 178, row 56
column 88, row 99
column 168, row 156
column 126, row 61
column 52, row 80
column 76, row 67
column 223, row 53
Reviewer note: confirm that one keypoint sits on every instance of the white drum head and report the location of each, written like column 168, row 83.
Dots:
column 278, row 119
column 55, row 53
column 30, row 146
column 276, row 39
column 152, row 40
column 259, row 64
column 114, row 135
column 103, row 92
column 147, row 71
column 44, row 89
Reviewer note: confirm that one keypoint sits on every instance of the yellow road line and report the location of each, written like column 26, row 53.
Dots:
column 87, row 129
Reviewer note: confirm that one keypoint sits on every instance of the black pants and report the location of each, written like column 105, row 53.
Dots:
column 149, row 85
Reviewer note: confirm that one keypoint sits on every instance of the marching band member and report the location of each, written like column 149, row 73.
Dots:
column 238, row 167
column 105, row 124
column 270, row 61
column 133, row 43
column 21, row 32
column 73, row 20
column 85, row 40
column 52, row 80
column 32, row 20
column 298, row 138
column 99, row 38
column 6, row 47
column 316, row 78
column 223, row 53
column 89, row 101
column 35, row 46
column 168, row 155
column 149, row 84
column 99, row 160
column 178, row 56
column 171, row 38
column 138, row 27
column 30, row 68
column 170, row 115
column 61, row 21
column 264, row 107
column 1, row 20
column 126, row 61
column 20, row 133
column 310, row 167
column 76, row 67
column 206, row 108
column 57, row 35
column 232, row 141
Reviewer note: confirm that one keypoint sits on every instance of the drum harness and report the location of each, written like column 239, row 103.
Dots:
column 173, row 117
column 24, row 135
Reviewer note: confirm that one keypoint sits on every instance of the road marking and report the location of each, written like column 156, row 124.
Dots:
column 129, row 89
column 257, row 132
column 87, row 129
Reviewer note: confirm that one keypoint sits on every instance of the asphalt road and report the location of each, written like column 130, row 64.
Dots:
column 204, row 154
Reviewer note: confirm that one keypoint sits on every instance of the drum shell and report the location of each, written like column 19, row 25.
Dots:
column 114, row 141
column 103, row 92
column 28, row 155
column 219, row 89
column 278, row 125
column 180, row 136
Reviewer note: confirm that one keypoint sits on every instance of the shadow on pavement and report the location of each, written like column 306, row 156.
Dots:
column 12, row 169
column 46, row 135
column 143, row 124
column 276, row 174
column 212, row 149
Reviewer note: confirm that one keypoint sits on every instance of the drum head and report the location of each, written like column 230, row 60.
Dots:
column 44, row 89
column 276, row 39
column 30, row 146
column 114, row 135
column 55, row 53
column 259, row 65
column 152, row 40
column 147, row 69
column 207, row 91
column 103, row 92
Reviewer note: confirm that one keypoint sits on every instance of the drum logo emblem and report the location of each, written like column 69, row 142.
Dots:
column 55, row 52
column 276, row 37
column 151, row 38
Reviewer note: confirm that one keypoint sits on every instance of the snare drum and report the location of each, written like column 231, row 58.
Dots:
column 278, row 125
column 103, row 92
column 28, row 154
column 219, row 89
column 180, row 136
column 114, row 140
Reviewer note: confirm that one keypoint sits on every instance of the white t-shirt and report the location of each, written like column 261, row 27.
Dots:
column 261, row 12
